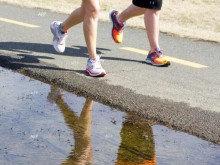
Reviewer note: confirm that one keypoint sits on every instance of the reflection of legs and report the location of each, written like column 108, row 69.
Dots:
column 83, row 140
column 82, row 152
column 81, row 126
column 137, row 144
column 85, row 118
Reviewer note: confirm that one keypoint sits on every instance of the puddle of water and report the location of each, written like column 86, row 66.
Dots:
column 42, row 124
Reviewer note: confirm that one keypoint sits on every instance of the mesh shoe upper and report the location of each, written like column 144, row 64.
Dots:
column 94, row 68
column 117, row 29
column 157, row 58
column 59, row 38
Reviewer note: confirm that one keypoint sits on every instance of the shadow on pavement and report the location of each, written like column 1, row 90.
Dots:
column 20, row 55
column 74, row 51
column 22, row 47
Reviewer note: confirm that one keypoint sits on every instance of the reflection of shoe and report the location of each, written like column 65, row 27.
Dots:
column 59, row 37
column 157, row 58
column 53, row 94
column 94, row 68
column 117, row 29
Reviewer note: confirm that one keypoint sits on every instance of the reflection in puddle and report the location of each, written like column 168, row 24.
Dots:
column 137, row 145
column 42, row 124
column 81, row 127
column 136, row 148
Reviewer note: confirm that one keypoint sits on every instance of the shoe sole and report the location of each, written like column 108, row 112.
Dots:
column 152, row 63
column 95, row 75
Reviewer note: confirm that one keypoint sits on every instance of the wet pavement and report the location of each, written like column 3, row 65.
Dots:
column 43, row 124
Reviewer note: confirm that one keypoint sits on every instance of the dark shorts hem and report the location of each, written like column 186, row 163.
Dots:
column 148, row 4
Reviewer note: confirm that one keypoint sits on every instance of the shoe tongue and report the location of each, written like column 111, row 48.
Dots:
column 158, row 49
column 97, row 58
column 93, row 60
column 121, row 25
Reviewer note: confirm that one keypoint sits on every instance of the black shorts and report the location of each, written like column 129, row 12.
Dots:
column 148, row 4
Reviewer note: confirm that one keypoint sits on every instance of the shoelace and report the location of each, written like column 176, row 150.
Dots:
column 158, row 53
column 119, row 26
column 99, row 57
column 97, row 63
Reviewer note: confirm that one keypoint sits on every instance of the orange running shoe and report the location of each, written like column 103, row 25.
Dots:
column 117, row 29
column 157, row 58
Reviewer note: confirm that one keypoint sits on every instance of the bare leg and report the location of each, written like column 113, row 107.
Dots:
column 88, row 14
column 151, row 19
column 131, row 11
column 75, row 17
column 90, row 25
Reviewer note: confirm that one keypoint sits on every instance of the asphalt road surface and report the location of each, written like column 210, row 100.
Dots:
column 184, row 96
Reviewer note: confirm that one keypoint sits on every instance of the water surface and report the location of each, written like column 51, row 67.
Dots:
column 42, row 124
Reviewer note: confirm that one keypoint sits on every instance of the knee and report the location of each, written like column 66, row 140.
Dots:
column 93, row 10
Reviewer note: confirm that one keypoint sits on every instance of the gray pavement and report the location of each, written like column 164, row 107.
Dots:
column 180, row 96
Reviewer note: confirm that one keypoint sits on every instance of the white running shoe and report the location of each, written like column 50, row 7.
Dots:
column 58, row 38
column 94, row 68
